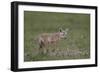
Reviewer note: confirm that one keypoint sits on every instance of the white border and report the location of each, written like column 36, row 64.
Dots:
column 22, row 64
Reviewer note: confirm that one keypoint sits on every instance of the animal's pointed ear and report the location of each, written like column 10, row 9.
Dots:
column 60, row 29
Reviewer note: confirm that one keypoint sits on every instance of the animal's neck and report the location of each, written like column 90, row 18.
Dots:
column 57, row 34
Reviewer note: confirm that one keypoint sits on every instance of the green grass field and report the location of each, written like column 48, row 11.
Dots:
column 76, row 46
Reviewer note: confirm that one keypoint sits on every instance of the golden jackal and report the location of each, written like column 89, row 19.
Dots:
column 50, row 38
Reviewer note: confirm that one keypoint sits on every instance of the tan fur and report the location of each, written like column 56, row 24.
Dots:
column 45, row 39
column 49, row 38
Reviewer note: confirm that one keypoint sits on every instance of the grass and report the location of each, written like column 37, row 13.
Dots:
column 77, row 44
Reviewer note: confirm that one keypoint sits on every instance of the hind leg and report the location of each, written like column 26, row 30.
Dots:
column 42, row 49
